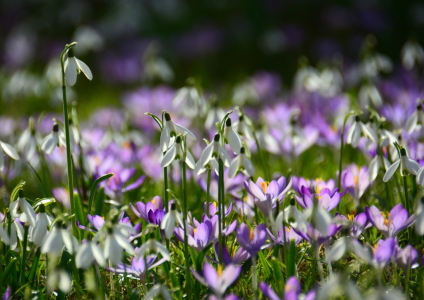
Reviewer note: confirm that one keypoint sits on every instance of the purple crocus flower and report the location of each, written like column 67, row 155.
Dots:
column 152, row 212
column 239, row 257
column 356, row 181
column 267, row 193
column 314, row 235
column 114, row 186
column 359, row 223
column 251, row 239
column 218, row 280
column 406, row 257
column 383, row 252
column 327, row 198
column 7, row 294
column 390, row 223
column 289, row 233
column 198, row 238
column 138, row 266
column 292, row 291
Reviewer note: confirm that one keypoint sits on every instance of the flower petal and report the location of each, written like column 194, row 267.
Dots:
column 85, row 69
column 391, row 170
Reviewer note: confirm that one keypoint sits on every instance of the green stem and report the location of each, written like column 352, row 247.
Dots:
column 264, row 165
column 220, row 205
column 24, row 253
column 407, row 275
column 68, row 143
column 254, row 278
column 185, row 209
column 208, row 188
column 165, row 181
column 339, row 179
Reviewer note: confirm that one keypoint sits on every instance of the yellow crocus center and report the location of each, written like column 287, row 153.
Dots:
column 386, row 216
column 252, row 234
column 264, row 186
column 351, row 217
column 194, row 231
column 126, row 145
column 214, row 204
column 375, row 248
column 153, row 201
column 318, row 188
column 219, row 271
column 356, row 181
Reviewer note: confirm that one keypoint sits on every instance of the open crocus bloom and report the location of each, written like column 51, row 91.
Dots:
column 390, row 223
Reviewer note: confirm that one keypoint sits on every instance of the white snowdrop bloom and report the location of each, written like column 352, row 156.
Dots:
column 387, row 138
column 377, row 163
column 58, row 237
column 116, row 241
column 241, row 163
column 153, row 246
column 419, row 217
column 73, row 66
column 368, row 93
column 60, row 279
column 170, row 220
column 27, row 143
column 74, row 135
column 215, row 115
column 213, row 150
column 319, row 217
column 4, row 237
column 176, row 153
column 22, row 209
column 245, row 92
column 51, row 141
column 190, row 101
column 420, row 177
column 16, row 231
column 39, row 230
column 9, row 150
column 415, row 120
column 355, row 130
column 292, row 216
column 412, row 53
column 87, row 253
column 231, row 137
column 156, row 291
column 170, row 131
column 407, row 166
column 243, row 128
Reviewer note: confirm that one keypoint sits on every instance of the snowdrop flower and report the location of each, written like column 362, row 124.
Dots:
column 376, row 164
column 170, row 131
column 22, row 209
column 292, row 216
column 176, row 153
column 213, row 150
column 39, row 231
column 355, row 130
column 406, row 163
column 116, row 241
column 169, row 221
column 59, row 278
column 416, row 120
column 51, row 141
column 158, row 290
column 57, row 238
column 190, row 100
column 241, row 163
column 28, row 141
column 419, row 217
column 368, row 93
column 9, row 150
column 412, row 53
column 153, row 246
column 87, row 253
column 74, row 66
column 231, row 137
column 243, row 128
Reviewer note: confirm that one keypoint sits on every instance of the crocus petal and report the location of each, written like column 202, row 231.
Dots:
column 391, row 170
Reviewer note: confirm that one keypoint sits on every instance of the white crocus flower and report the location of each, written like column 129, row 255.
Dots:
column 9, row 150
column 22, row 209
column 170, row 131
column 406, row 163
column 117, row 240
column 241, row 163
column 176, row 153
column 58, row 237
column 355, row 130
column 73, row 66
column 87, row 253
column 376, row 164
column 51, row 141
column 231, row 137
column 416, row 120
column 39, row 231
column 152, row 245
column 156, row 291
column 213, row 150
column 170, row 220
column 59, row 278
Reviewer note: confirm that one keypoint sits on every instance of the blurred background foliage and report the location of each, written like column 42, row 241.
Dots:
column 219, row 42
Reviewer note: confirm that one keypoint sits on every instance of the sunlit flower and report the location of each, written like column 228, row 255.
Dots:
column 354, row 133
column 241, row 163
column 176, row 152
column 231, row 137
column 412, row 53
column 390, row 223
column 170, row 131
column 9, row 150
column 87, row 253
column 57, row 238
column 116, row 241
column 153, row 246
column 22, row 209
column 158, row 290
column 415, row 120
column 407, row 166
column 42, row 222
column 74, row 66
column 170, row 220
column 251, row 239
column 213, row 150
column 60, row 279
column 51, row 141
column 419, row 216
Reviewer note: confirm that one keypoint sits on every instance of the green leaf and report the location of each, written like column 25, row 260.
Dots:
column 158, row 121
column 15, row 191
column 201, row 257
column 6, row 272
column 79, row 212
column 94, row 188
column 45, row 201
column 277, row 275
column 291, row 261
column 265, row 264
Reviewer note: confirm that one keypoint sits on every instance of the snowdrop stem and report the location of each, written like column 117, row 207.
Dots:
column 405, row 190
column 185, row 209
column 208, row 188
column 220, row 206
column 319, row 264
column 261, row 156
column 68, row 141
column 342, row 148
column 24, row 253
column 407, row 275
